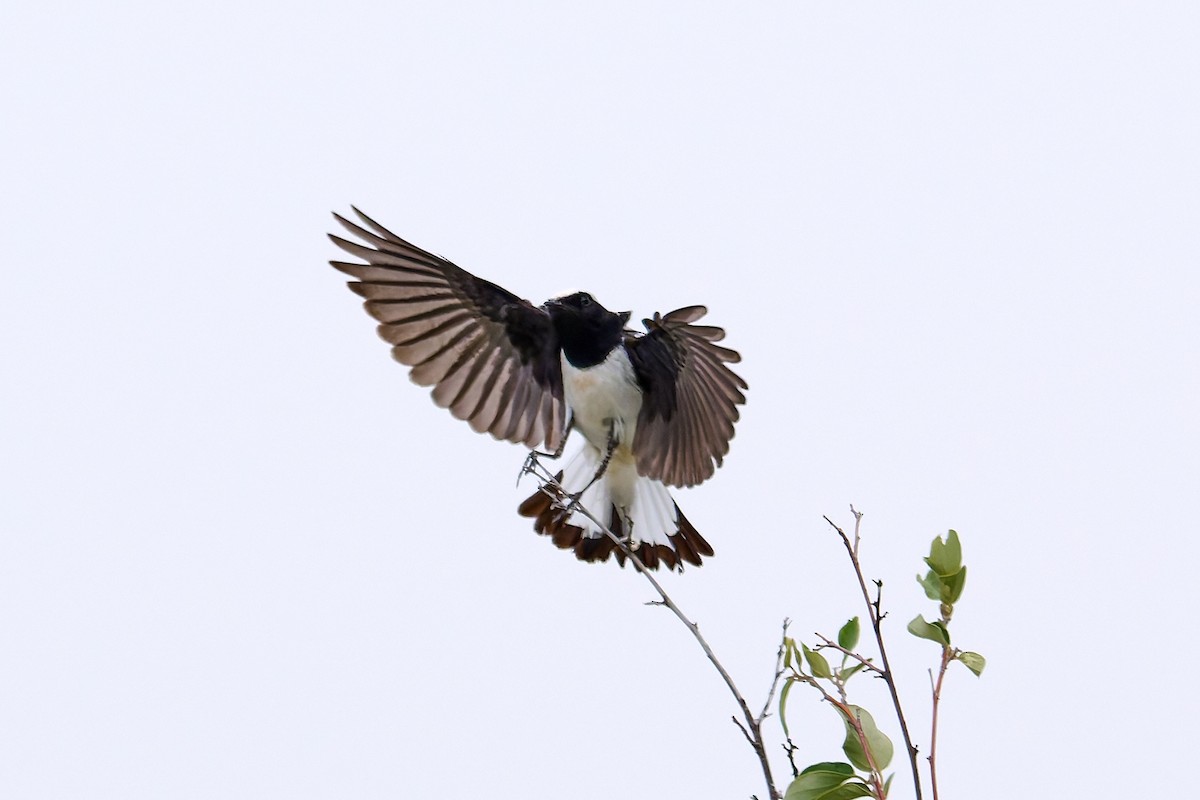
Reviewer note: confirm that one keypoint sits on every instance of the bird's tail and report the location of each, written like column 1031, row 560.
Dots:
column 658, row 531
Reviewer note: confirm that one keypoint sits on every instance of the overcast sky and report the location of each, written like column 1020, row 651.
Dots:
column 242, row 556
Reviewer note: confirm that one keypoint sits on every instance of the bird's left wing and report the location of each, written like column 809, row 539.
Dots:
column 689, row 397
column 491, row 357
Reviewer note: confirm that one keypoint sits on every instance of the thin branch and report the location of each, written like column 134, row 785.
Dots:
column 948, row 654
column 867, row 663
column 855, row 721
column 876, row 616
column 753, row 727
column 790, row 748
column 857, row 526
column 742, row 728
column 778, row 672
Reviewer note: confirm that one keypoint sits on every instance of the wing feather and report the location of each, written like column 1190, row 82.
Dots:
column 690, row 397
column 491, row 357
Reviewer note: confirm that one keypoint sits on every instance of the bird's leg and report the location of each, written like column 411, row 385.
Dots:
column 608, row 454
column 627, row 524
column 610, row 448
column 531, row 460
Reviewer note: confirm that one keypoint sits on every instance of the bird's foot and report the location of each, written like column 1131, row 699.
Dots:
column 567, row 503
column 531, row 465
column 627, row 533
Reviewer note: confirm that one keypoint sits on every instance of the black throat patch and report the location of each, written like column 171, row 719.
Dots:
column 586, row 340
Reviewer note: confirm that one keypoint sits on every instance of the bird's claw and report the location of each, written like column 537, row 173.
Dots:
column 530, row 466
column 566, row 503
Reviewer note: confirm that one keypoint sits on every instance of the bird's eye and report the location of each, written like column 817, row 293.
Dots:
column 585, row 300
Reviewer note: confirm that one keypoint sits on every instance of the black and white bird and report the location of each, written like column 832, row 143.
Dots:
column 655, row 409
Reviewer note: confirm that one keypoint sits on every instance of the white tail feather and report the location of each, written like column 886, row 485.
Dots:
column 653, row 512
column 597, row 499
column 650, row 512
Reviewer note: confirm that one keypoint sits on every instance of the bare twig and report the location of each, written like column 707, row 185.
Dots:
column 857, row 525
column 867, row 663
column 948, row 655
column 742, row 728
column 876, row 616
column 778, row 673
column 790, row 748
column 752, row 730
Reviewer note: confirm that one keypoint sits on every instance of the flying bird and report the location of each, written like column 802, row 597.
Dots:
column 655, row 409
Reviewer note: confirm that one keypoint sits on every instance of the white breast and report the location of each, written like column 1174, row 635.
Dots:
column 607, row 391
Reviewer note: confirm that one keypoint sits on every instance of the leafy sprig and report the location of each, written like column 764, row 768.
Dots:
column 868, row 750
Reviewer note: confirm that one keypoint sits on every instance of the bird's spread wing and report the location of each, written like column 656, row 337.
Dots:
column 491, row 357
column 690, row 397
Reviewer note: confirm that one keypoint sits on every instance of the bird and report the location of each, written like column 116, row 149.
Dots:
column 655, row 408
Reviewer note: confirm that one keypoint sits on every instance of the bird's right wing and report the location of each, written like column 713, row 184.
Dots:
column 491, row 357
column 690, row 397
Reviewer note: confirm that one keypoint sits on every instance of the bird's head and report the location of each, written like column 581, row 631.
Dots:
column 580, row 309
column 586, row 330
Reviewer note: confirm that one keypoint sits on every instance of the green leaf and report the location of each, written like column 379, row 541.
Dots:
column 933, row 631
column 973, row 662
column 847, row 674
column 887, row 785
column 848, row 791
column 945, row 558
column 817, row 663
column 789, row 647
column 830, row 767
column 881, row 745
column 953, row 547
column 848, row 635
column 932, row 585
column 831, row 780
column 783, row 694
column 952, row 586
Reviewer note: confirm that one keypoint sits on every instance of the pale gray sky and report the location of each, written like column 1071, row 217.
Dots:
column 243, row 557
